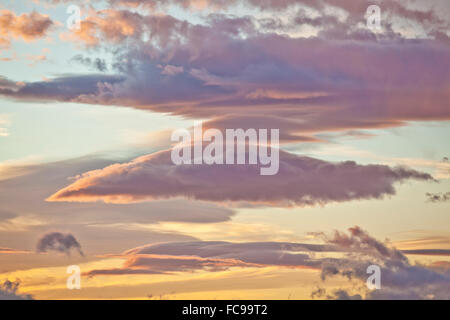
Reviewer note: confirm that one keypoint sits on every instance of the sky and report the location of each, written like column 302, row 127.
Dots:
column 86, row 178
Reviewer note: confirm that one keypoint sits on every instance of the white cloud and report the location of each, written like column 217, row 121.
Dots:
column 4, row 123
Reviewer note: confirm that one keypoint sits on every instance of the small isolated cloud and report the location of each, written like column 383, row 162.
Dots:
column 34, row 59
column 59, row 242
column 438, row 197
column 28, row 26
column 170, row 70
column 96, row 64
column 13, row 251
column 9, row 291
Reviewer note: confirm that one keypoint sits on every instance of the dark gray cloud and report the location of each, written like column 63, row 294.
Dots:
column 6, row 84
column 438, row 197
column 102, row 227
column 214, row 256
column 13, row 251
column 59, row 242
column 28, row 26
column 39, row 181
column 359, row 240
column 63, row 88
column 428, row 252
column 96, row 64
column 9, row 291
column 355, row 9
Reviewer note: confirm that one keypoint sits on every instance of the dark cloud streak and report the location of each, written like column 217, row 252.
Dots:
column 59, row 242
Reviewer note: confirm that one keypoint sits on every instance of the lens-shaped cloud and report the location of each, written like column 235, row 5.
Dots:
column 300, row 181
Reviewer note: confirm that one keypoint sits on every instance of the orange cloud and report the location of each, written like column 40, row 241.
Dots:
column 110, row 25
column 13, row 251
column 26, row 26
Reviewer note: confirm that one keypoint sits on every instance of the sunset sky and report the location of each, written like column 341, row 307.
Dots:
column 86, row 117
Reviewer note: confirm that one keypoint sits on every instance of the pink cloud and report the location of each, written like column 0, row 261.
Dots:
column 301, row 85
column 300, row 181
column 13, row 251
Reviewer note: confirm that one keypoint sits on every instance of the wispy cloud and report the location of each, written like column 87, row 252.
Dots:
column 438, row 197
column 13, row 251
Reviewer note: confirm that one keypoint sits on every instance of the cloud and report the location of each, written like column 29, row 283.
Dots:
column 300, row 181
column 339, row 294
column 359, row 240
column 428, row 252
column 213, row 256
column 353, row 8
column 100, row 226
column 127, row 24
column 438, row 197
column 341, row 254
column 399, row 278
column 441, row 265
column 69, row 87
column 56, row 241
column 97, row 64
column 229, row 71
column 38, row 181
column 4, row 120
column 9, row 291
column 28, row 26
column 34, row 59
column 13, row 251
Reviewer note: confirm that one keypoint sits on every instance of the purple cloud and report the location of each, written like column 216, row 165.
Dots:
column 300, row 181
column 56, row 241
